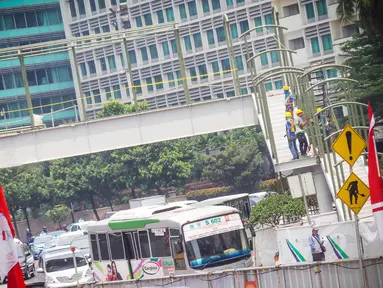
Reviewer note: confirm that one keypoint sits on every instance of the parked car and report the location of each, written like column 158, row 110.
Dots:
column 59, row 269
column 38, row 244
column 26, row 259
column 80, row 227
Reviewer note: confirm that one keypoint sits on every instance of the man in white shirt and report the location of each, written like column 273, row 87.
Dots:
column 316, row 245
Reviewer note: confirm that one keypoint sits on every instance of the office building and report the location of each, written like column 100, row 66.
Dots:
column 312, row 33
column 24, row 22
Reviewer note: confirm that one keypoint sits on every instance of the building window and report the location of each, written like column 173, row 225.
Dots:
column 192, row 8
column 122, row 60
column 171, row 79
column 220, row 34
column 193, row 74
column 264, row 60
column 327, row 42
column 296, row 44
column 132, row 57
column 230, row 94
column 331, row 73
column 158, row 81
column 225, row 65
column 278, row 84
column 108, row 94
column 148, row 19
column 144, row 54
column 258, row 22
column 160, row 17
column 165, row 48
column 72, row 8
column 210, row 37
column 31, row 19
column 188, row 45
column 81, row 7
column 88, row 98
column 112, row 62
column 182, row 10
column 310, row 11
column 202, row 71
column 105, row 29
column 239, row 63
column 20, row 20
column 153, row 51
column 149, row 84
column 349, row 30
column 91, row 67
column 315, row 45
column 137, row 86
column 197, row 40
column 93, row 7
column 169, row 14
column 116, row 92
column 101, row 4
column 139, row 21
column 244, row 25
column 269, row 21
column 215, row 67
column 216, row 4
column 103, row 64
column 268, row 86
column 205, row 6
column 321, row 7
column 291, row 10
column 229, row 3
column 174, row 46
column 96, row 96
column 234, row 30
column 83, row 69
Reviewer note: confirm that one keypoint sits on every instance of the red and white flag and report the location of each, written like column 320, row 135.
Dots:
column 374, row 177
column 9, row 264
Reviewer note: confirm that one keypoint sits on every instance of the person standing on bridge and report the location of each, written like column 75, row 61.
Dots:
column 300, row 124
column 291, row 135
column 289, row 99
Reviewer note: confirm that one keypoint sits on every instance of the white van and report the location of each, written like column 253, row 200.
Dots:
column 58, row 266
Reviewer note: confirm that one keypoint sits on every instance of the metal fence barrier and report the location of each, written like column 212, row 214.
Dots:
column 340, row 274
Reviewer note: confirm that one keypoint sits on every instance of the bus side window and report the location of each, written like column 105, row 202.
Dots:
column 159, row 242
column 129, row 246
column 144, row 244
column 103, row 246
column 116, row 246
column 93, row 241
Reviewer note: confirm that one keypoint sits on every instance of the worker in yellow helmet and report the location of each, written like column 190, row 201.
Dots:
column 300, row 124
column 289, row 99
column 291, row 135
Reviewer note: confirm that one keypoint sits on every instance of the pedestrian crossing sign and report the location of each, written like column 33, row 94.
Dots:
column 354, row 193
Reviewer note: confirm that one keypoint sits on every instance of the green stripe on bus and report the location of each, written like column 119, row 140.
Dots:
column 133, row 224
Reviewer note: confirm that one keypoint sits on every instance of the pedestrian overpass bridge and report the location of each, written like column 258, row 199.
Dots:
column 127, row 131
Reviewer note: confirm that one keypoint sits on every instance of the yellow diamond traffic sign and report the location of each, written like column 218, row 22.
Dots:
column 349, row 145
column 354, row 193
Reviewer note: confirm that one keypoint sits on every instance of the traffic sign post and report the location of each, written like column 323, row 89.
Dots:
column 349, row 145
column 354, row 193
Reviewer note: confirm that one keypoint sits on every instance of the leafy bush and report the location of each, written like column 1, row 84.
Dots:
column 274, row 185
column 114, row 107
column 58, row 214
column 204, row 194
column 273, row 208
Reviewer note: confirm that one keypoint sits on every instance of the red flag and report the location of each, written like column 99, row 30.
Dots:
column 9, row 264
column 374, row 177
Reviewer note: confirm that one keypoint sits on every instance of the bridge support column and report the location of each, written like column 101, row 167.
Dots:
column 322, row 190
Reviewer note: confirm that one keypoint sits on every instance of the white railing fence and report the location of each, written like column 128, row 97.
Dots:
column 343, row 274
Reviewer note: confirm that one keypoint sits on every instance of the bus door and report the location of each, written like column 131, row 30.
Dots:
column 177, row 249
column 154, row 254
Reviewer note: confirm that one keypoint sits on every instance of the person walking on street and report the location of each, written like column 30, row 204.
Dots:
column 300, row 124
column 316, row 245
column 291, row 135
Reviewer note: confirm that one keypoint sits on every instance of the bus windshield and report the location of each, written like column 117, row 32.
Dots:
column 213, row 241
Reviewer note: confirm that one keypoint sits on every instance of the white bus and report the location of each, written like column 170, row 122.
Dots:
column 157, row 241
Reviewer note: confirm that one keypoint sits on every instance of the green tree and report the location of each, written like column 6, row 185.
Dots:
column 58, row 214
column 273, row 208
column 365, row 55
column 369, row 12
column 114, row 107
